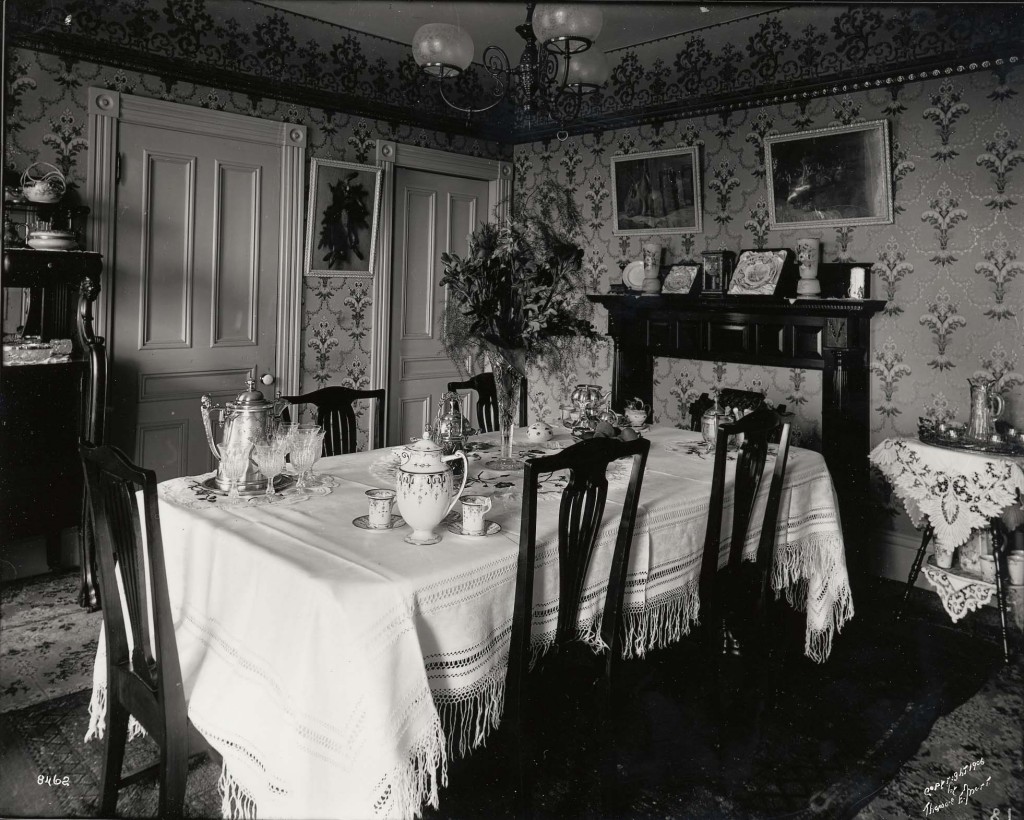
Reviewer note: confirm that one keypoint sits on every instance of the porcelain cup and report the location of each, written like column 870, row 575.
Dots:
column 1015, row 564
column 381, row 502
column 474, row 507
column 988, row 567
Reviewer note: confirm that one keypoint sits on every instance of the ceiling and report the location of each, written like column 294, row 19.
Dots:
column 625, row 23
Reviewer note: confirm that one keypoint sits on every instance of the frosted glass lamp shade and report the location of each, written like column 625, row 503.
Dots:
column 567, row 28
column 588, row 71
column 442, row 50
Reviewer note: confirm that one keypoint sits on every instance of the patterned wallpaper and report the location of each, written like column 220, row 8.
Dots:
column 951, row 267
column 47, row 106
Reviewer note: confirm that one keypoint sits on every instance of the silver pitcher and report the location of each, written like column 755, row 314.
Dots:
column 248, row 418
column 986, row 407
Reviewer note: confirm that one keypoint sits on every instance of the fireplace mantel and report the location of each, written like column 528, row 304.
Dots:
column 831, row 335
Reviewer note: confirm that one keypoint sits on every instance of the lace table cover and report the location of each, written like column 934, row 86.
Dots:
column 336, row 669
column 956, row 490
column 962, row 593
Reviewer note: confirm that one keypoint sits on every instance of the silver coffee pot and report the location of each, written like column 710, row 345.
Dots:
column 246, row 419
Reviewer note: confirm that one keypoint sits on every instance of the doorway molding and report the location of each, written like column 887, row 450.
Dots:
column 109, row 108
column 390, row 156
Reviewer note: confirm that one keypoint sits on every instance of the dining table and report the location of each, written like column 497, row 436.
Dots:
column 337, row 669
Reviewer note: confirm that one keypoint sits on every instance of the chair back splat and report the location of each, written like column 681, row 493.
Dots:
column 334, row 412
column 487, row 400
column 143, row 678
column 716, row 589
column 579, row 523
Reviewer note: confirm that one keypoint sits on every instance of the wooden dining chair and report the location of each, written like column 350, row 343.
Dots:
column 143, row 673
column 487, row 400
column 580, row 516
column 334, row 412
column 723, row 613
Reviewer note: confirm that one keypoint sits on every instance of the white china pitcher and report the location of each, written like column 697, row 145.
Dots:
column 424, row 484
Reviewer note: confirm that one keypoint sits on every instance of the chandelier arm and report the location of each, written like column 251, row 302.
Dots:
column 495, row 62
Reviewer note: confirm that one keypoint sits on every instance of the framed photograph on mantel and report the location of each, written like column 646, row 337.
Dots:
column 656, row 193
column 830, row 177
column 341, row 223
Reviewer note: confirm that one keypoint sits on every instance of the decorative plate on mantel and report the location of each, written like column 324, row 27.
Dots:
column 633, row 275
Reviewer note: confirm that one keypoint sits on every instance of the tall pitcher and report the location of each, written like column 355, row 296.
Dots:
column 986, row 407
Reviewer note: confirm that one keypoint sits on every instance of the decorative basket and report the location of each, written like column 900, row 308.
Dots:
column 41, row 185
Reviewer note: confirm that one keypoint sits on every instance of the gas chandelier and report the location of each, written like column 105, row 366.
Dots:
column 557, row 68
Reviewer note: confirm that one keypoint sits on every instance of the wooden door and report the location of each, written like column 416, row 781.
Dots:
column 434, row 213
column 194, row 289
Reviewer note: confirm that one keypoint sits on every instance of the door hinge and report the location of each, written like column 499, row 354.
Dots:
column 117, row 167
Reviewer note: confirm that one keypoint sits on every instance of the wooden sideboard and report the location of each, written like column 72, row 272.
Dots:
column 46, row 408
column 831, row 335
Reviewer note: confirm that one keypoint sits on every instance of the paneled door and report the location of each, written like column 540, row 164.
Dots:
column 434, row 213
column 195, row 287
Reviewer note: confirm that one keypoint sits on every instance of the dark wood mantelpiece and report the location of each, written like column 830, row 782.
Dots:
column 831, row 335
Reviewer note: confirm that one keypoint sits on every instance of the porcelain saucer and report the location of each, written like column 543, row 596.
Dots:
column 363, row 522
column 491, row 528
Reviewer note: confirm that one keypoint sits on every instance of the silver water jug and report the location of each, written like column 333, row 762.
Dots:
column 986, row 407
column 248, row 418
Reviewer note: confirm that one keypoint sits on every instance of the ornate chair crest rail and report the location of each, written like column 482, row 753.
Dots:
column 143, row 679
column 334, row 412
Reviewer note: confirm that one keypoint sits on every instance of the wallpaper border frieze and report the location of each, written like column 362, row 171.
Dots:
column 793, row 54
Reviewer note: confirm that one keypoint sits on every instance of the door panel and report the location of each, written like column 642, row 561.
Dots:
column 434, row 213
column 194, row 287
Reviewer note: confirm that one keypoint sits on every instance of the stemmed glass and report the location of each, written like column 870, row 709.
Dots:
column 303, row 454
column 269, row 457
column 234, row 461
column 317, row 440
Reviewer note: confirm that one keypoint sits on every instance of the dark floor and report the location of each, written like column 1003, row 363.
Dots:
column 866, row 732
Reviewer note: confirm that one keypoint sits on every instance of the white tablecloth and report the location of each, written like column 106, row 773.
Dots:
column 335, row 669
column 957, row 491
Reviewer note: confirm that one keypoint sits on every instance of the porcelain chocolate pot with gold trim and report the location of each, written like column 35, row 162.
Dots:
column 424, row 484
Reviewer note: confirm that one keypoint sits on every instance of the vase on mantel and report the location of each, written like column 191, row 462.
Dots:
column 508, row 367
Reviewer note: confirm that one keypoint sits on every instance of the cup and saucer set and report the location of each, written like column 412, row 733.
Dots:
column 380, row 516
column 472, row 522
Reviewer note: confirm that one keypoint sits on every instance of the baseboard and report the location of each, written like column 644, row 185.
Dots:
column 893, row 554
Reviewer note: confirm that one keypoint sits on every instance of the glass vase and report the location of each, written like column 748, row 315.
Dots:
column 508, row 381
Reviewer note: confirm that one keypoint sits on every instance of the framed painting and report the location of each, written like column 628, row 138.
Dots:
column 656, row 193
column 341, row 223
column 830, row 177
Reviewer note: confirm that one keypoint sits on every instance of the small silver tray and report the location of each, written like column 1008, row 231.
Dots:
column 1001, row 448
column 282, row 482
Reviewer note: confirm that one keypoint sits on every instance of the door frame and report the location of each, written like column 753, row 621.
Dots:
column 390, row 156
column 109, row 108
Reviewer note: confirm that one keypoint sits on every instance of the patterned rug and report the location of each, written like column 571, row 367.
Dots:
column 873, row 730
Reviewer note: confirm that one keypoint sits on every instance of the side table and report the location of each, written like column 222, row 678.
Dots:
column 950, row 494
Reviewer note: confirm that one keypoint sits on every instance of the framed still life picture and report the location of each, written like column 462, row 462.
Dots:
column 681, row 278
column 656, row 193
column 759, row 273
column 830, row 176
column 341, row 223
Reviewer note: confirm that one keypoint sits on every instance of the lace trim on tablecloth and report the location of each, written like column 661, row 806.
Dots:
column 959, row 595
column 955, row 503
column 190, row 493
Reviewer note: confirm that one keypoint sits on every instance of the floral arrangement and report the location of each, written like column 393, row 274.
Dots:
column 518, row 293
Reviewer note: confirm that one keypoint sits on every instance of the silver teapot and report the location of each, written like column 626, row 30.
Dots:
column 586, row 401
column 248, row 418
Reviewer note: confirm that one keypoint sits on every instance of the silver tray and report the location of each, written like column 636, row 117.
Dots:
column 1000, row 448
column 282, row 482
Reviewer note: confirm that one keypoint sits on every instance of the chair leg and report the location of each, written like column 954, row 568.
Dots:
column 173, row 777
column 915, row 570
column 998, row 543
column 116, row 731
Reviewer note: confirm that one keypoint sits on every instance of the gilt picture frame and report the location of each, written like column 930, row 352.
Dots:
column 830, row 177
column 657, row 193
column 341, row 221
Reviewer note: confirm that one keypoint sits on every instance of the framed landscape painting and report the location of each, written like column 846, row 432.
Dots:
column 830, row 177
column 341, row 225
column 656, row 193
